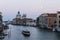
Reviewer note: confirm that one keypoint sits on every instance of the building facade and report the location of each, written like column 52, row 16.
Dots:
column 30, row 22
column 58, row 20
column 1, row 27
column 43, row 20
column 51, row 19
column 23, row 20
column 48, row 20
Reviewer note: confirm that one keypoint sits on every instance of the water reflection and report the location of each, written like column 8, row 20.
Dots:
column 9, row 34
column 15, row 33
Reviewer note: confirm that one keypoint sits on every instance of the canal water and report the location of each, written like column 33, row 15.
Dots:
column 15, row 33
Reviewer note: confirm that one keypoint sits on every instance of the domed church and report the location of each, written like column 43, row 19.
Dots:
column 18, row 15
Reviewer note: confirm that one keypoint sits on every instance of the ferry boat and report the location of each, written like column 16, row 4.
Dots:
column 26, row 33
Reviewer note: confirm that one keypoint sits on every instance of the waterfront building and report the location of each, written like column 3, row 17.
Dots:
column 48, row 20
column 58, row 20
column 51, row 20
column 23, row 20
column 0, row 17
column 43, row 20
column 1, row 27
column 18, row 15
column 17, row 20
column 30, row 22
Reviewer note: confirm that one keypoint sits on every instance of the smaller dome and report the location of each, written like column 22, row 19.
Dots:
column 24, row 16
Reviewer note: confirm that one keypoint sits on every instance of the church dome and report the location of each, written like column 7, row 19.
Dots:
column 24, row 16
column 18, row 15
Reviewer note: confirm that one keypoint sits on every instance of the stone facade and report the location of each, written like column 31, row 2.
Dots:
column 48, row 20
column 22, row 20
column 51, row 19
column 43, row 20
column 1, row 25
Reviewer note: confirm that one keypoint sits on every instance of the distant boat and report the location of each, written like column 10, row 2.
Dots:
column 26, row 33
column 6, row 27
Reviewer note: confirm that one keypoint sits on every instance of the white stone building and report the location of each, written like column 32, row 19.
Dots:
column 30, row 22
column 58, row 21
column 23, row 20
